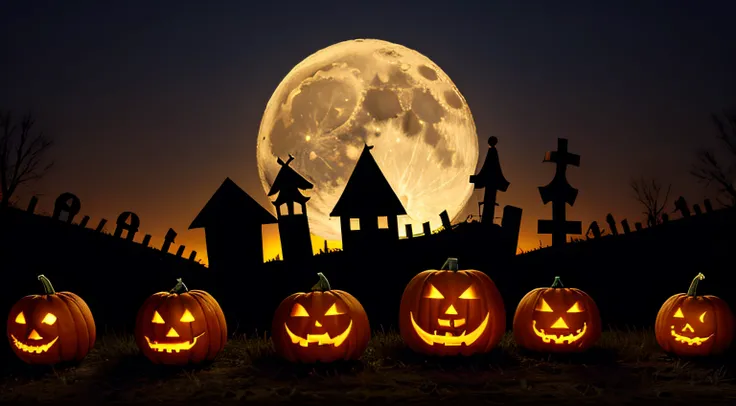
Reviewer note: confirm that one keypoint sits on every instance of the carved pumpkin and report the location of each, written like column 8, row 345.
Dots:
column 324, row 325
column 180, row 327
column 51, row 328
column 557, row 319
column 451, row 312
column 692, row 325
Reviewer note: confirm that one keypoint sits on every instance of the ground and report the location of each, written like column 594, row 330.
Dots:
column 624, row 368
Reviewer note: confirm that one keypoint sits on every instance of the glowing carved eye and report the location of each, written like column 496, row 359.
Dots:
column 20, row 318
column 469, row 294
column 332, row 311
column 157, row 318
column 544, row 307
column 186, row 317
column 434, row 293
column 575, row 308
column 678, row 314
column 702, row 317
column 299, row 311
column 49, row 319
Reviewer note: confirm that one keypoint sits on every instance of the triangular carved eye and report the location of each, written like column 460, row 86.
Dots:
column 332, row 311
column 20, row 318
column 678, row 314
column 434, row 293
column 299, row 311
column 469, row 294
column 543, row 306
column 575, row 308
column 157, row 319
column 187, row 317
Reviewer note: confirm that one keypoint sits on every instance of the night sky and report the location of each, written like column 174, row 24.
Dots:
column 151, row 107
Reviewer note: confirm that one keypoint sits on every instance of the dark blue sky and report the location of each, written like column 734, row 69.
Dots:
column 152, row 104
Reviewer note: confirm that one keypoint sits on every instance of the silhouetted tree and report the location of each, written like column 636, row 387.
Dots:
column 22, row 155
column 709, row 170
column 649, row 193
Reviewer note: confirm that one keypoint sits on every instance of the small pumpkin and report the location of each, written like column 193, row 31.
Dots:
column 324, row 325
column 180, row 327
column 557, row 319
column 451, row 312
column 51, row 328
column 692, row 325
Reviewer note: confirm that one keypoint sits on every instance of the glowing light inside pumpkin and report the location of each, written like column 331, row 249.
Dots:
column 448, row 339
column 38, row 349
column 49, row 319
column 20, row 318
column 319, row 339
column 685, row 339
column 172, row 347
column 559, row 339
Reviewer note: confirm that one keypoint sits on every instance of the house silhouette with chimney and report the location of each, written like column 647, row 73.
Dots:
column 232, row 222
column 368, row 207
column 291, row 211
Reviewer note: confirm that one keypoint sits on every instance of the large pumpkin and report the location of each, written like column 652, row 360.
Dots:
column 557, row 319
column 323, row 325
column 692, row 325
column 51, row 328
column 451, row 312
column 180, row 327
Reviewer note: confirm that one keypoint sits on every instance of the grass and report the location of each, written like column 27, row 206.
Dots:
column 626, row 367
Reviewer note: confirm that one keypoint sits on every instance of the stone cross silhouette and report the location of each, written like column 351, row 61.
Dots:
column 559, row 192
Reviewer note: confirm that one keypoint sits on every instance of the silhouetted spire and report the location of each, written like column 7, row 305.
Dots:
column 491, row 179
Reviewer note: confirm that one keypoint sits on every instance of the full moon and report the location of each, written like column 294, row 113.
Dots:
column 368, row 91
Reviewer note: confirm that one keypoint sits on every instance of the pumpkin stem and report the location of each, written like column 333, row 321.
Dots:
column 694, row 284
column 450, row 264
column 180, row 287
column 557, row 283
column 323, row 284
column 47, row 286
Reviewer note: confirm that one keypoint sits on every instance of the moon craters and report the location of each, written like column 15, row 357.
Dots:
column 427, row 107
column 453, row 100
column 382, row 104
column 427, row 72
column 411, row 124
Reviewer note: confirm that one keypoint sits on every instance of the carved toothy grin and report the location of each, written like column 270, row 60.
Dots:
column 33, row 348
column 560, row 339
column 172, row 347
column 448, row 339
column 689, row 340
column 320, row 339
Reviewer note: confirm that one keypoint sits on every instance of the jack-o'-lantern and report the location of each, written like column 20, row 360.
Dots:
column 324, row 325
column 51, row 328
column 557, row 319
column 180, row 327
column 692, row 325
column 451, row 312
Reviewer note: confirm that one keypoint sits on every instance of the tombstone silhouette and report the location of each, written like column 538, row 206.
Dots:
column 595, row 229
column 66, row 203
column 169, row 239
column 708, row 205
column 559, row 192
column 611, row 224
column 129, row 222
column 232, row 222
column 296, row 240
column 681, row 206
column 32, row 204
column 491, row 179
column 367, row 200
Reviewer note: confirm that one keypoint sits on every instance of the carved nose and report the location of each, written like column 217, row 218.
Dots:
column 172, row 333
column 34, row 335
column 451, row 310
column 560, row 324
column 317, row 323
column 688, row 327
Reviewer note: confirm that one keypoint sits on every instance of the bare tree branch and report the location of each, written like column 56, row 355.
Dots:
column 708, row 170
column 22, row 155
column 649, row 194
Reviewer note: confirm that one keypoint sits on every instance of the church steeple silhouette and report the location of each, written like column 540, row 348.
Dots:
column 291, row 212
column 492, row 180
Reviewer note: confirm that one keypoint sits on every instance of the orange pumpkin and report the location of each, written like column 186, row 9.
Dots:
column 51, row 328
column 451, row 312
column 180, row 327
column 692, row 325
column 323, row 325
column 557, row 319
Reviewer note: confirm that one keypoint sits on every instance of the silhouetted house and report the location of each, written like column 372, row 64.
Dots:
column 232, row 223
column 368, row 207
column 291, row 211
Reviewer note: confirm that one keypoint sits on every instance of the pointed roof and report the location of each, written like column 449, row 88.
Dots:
column 491, row 175
column 367, row 192
column 231, row 205
column 288, row 183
